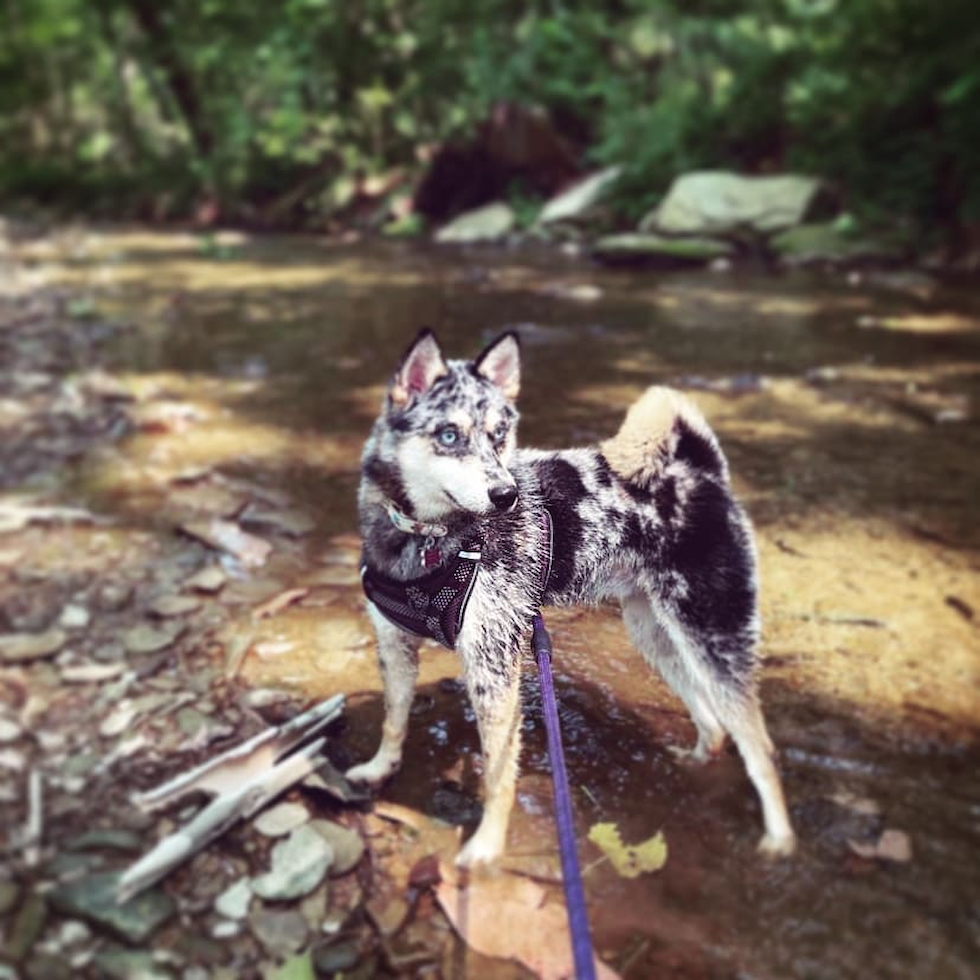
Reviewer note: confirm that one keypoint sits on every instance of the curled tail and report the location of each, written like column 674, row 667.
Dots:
column 663, row 426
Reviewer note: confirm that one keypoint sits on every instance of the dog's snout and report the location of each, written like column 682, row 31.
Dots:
column 503, row 496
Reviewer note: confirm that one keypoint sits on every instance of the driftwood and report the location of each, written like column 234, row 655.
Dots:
column 242, row 780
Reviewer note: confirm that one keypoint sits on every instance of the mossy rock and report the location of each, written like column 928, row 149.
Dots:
column 648, row 249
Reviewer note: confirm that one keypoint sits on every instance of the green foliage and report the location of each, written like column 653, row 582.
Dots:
column 163, row 104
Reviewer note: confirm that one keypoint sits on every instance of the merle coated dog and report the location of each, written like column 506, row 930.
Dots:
column 465, row 535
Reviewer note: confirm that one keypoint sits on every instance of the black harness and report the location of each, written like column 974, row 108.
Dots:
column 433, row 606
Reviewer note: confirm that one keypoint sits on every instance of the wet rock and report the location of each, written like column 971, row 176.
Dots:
column 26, row 927
column 298, row 866
column 10, row 731
column 716, row 202
column 281, row 933
column 114, row 840
column 117, row 963
column 651, row 249
column 94, row 900
column 25, row 647
column 148, row 639
column 347, row 846
column 209, row 580
column 486, row 224
column 279, row 820
column 168, row 606
column 74, row 617
column 829, row 242
column 336, row 958
column 452, row 804
column 575, row 202
column 234, row 901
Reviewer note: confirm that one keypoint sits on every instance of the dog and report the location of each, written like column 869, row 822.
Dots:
column 465, row 535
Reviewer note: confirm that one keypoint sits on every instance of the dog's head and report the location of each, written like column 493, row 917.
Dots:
column 449, row 428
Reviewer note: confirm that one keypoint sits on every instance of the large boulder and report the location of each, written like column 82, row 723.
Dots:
column 487, row 224
column 576, row 201
column 830, row 243
column 716, row 202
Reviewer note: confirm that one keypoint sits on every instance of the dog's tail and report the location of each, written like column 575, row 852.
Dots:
column 663, row 426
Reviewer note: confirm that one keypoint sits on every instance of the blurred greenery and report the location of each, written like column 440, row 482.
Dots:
column 284, row 112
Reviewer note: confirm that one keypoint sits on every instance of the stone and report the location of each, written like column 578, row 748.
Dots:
column 279, row 820
column 234, row 901
column 113, row 840
column 10, row 731
column 116, row 963
column 298, row 865
column 489, row 223
column 90, row 673
column 336, row 958
column 94, row 900
column 828, row 242
column 348, row 848
column 148, row 639
column 74, row 617
column 718, row 202
column 168, row 606
column 24, row 647
column 209, row 579
column 27, row 926
column 635, row 248
column 226, row 929
column 9, row 893
column 580, row 198
column 280, row 932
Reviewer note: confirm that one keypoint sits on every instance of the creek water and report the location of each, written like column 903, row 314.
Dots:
column 847, row 408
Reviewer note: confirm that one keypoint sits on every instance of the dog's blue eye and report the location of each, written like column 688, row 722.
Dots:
column 500, row 434
column 448, row 435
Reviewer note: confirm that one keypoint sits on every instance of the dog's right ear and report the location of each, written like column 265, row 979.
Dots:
column 421, row 366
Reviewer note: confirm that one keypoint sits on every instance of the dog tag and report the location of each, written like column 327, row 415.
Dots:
column 431, row 555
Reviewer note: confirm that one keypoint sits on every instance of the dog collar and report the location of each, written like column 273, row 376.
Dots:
column 408, row 525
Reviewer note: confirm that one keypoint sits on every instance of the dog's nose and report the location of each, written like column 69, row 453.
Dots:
column 503, row 496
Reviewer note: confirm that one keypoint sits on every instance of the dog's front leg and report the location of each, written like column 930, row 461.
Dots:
column 494, row 689
column 398, row 658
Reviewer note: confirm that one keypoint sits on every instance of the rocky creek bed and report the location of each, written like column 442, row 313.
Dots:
column 179, row 435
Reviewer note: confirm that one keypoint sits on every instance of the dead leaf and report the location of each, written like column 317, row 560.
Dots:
column 250, row 550
column 892, row 845
column 279, row 602
column 629, row 860
column 507, row 916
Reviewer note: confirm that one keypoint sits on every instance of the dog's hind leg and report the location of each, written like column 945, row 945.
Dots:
column 658, row 650
column 398, row 658
column 495, row 696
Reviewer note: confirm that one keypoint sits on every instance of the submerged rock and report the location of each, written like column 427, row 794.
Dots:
column 299, row 864
column 487, row 224
column 718, row 202
column 635, row 248
column 828, row 242
column 280, row 933
column 94, row 899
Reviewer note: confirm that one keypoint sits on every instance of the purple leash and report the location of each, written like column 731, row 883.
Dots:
column 578, row 919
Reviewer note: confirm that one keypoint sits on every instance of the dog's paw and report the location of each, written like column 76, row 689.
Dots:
column 777, row 847
column 373, row 772
column 478, row 852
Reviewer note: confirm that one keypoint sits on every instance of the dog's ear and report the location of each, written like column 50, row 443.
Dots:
column 500, row 363
column 421, row 366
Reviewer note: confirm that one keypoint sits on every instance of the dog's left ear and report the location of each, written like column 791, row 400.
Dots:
column 500, row 363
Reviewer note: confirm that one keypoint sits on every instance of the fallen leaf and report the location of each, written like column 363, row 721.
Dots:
column 279, row 602
column 892, row 845
column 506, row 916
column 629, row 860
column 250, row 550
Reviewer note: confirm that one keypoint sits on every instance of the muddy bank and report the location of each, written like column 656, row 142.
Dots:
column 151, row 387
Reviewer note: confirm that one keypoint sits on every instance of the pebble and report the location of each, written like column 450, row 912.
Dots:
column 10, row 731
column 279, row 820
column 112, row 596
column 299, row 864
column 234, row 901
column 336, row 958
column 168, row 606
column 226, row 929
column 74, row 617
column 119, row 720
column 20, row 647
column 210, row 579
column 348, row 848
column 147, row 639
column 279, row 932
column 90, row 673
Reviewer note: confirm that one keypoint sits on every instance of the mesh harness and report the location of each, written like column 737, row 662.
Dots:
column 433, row 605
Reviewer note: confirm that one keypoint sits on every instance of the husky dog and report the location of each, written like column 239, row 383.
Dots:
column 465, row 536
